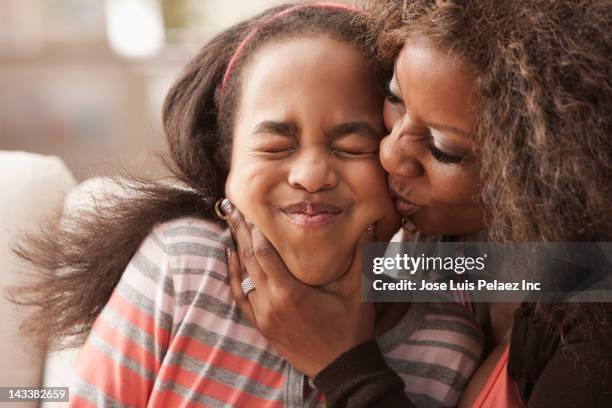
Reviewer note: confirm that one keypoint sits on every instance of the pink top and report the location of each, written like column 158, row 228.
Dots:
column 499, row 391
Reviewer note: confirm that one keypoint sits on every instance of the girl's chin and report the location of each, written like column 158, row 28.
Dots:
column 311, row 271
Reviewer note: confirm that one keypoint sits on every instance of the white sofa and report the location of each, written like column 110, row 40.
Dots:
column 32, row 187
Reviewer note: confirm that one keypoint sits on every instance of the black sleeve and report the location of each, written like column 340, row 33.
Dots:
column 360, row 378
column 549, row 372
column 580, row 378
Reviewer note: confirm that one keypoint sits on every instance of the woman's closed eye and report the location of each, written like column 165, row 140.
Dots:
column 392, row 97
column 443, row 157
column 444, row 154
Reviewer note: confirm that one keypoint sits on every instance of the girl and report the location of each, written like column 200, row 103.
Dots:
column 499, row 122
column 282, row 114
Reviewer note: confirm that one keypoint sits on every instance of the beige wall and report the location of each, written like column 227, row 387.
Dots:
column 65, row 92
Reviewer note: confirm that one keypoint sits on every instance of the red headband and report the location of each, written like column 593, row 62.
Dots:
column 245, row 41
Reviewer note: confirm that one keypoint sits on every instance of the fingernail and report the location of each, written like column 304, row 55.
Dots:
column 228, row 253
column 250, row 225
column 408, row 225
column 226, row 206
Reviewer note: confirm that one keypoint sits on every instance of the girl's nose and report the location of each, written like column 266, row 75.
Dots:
column 311, row 171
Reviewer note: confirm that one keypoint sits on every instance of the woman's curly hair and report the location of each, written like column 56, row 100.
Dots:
column 543, row 134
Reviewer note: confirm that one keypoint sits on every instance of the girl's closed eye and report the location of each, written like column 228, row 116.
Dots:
column 355, row 147
column 274, row 149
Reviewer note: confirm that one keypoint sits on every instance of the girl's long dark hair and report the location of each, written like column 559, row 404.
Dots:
column 79, row 260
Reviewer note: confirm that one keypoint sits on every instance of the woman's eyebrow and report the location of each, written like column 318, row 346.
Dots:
column 276, row 127
column 362, row 128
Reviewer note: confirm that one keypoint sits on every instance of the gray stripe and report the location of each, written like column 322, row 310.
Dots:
column 441, row 344
column 134, row 333
column 158, row 241
column 119, row 358
column 457, row 327
column 91, row 393
column 404, row 328
column 188, row 394
column 442, row 374
column 294, row 388
column 459, row 311
column 192, row 231
column 197, row 249
column 211, row 304
column 144, row 304
column 199, row 271
column 424, row 401
column 229, row 345
column 232, row 380
column 152, row 271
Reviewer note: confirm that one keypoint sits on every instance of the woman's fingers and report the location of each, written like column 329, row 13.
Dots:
column 241, row 232
column 270, row 262
column 235, row 280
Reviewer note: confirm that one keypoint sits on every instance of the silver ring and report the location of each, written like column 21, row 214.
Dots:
column 247, row 286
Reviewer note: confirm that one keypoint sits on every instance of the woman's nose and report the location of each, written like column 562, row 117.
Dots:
column 398, row 156
column 312, row 172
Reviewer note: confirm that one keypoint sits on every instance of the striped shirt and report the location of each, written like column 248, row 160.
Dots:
column 172, row 336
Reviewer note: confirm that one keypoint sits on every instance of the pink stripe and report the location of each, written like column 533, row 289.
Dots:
column 151, row 290
column 204, row 284
column 197, row 262
column 189, row 222
column 450, row 318
column 451, row 359
column 226, row 327
column 227, row 360
column 193, row 239
column 151, row 250
column 434, row 389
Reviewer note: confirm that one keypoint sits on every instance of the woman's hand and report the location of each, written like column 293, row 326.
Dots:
column 309, row 326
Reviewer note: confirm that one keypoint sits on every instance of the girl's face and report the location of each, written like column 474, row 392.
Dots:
column 305, row 165
column 433, row 170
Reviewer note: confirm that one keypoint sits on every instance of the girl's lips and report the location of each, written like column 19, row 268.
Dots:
column 310, row 220
column 405, row 207
column 311, row 213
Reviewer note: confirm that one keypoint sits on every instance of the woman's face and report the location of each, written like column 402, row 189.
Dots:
column 433, row 170
column 305, row 167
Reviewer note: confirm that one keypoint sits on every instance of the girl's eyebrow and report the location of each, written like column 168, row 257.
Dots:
column 290, row 130
column 277, row 128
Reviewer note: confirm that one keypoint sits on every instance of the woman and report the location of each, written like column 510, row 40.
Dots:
column 499, row 118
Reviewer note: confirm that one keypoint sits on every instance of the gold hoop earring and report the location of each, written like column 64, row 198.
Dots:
column 218, row 211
